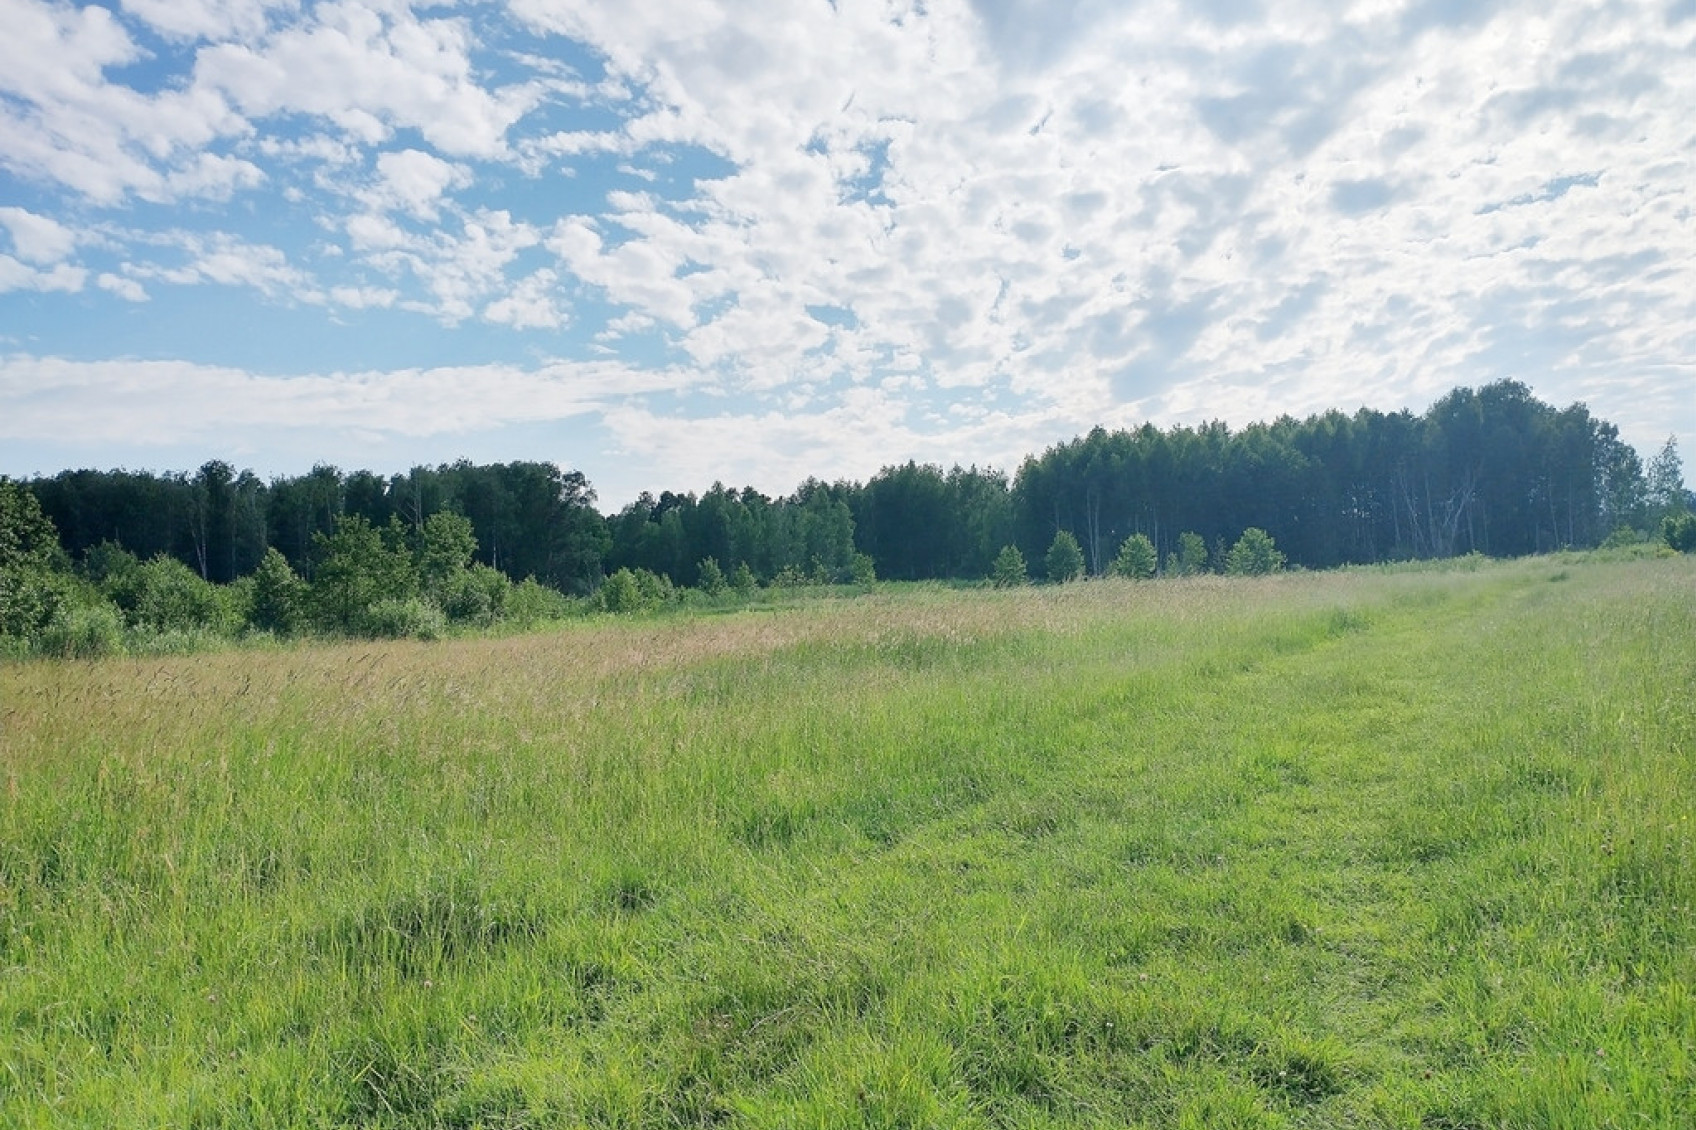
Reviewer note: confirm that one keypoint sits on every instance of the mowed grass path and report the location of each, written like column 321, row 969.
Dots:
column 1359, row 849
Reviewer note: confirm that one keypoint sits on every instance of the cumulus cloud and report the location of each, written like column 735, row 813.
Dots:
column 223, row 259
column 1104, row 216
column 210, row 175
column 371, row 70
column 208, row 19
column 531, row 305
column 65, row 123
column 364, row 297
column 459, row 270
column 414, row 181
column 20, row 276
column 367, row 69
column 125, row 288
column 37, row 239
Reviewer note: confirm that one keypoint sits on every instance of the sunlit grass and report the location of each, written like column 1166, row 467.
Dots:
column 1369, row 849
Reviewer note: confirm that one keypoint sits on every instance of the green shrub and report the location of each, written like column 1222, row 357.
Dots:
column 863, row 570
column 30, row 600
column 83, row 631
column 712, row 580
column 790, row 577
column 621, row 594
column 476, row 595
column 145, row 641
column 530, row 602
column 30, row 558
column 174, row 598
column 359, row 566
column 1679, row 531
column 657, row 590
column 116, row 572
column 404, row 618
column 444, row 548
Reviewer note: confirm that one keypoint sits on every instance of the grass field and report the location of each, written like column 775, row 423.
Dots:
column 1377, row 849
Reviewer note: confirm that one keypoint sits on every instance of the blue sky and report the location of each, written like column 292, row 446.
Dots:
column 671, row 242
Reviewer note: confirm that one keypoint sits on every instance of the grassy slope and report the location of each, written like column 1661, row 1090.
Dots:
column 1406, row 850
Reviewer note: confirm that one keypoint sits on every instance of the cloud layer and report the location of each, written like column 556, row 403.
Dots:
column 760, row 240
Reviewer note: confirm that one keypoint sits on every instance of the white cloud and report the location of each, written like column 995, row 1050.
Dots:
column 176, row 402
column 37, row 239
column 208, row 19
column 127, row 289
column 571, row 143
column 371, row 71
column 64, row 122
column 377, row 233
column 211, row 176
column 57, row 47
column 774, row 450
column 364, row 297
column 227, row 260
column 331, row 151
column 458, row 271
column 1132, row 204
column 414, row 181
column 531, row 305
column 20, row 276
column 237, row 264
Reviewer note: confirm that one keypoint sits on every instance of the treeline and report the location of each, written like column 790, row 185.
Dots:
column 527, row 519
column 1493, row 471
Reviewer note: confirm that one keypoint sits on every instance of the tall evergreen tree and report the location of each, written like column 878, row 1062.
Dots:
column 1009, row 569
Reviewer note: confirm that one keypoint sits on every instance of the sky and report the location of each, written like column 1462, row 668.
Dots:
column 668, row 242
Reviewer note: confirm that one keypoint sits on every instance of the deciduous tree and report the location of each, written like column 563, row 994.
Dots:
column 359, row 565
column 1136, row 558
column 29, row 555
column 1253, row 555
column 1065, row 558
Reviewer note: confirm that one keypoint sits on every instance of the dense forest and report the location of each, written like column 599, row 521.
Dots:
column 1492, row 471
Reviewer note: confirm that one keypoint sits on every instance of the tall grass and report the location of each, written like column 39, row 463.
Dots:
column 1369, row 849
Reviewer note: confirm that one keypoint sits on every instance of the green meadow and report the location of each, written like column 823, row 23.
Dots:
column 1377, row 848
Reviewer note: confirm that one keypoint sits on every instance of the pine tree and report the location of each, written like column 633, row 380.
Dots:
column 1009, row 568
